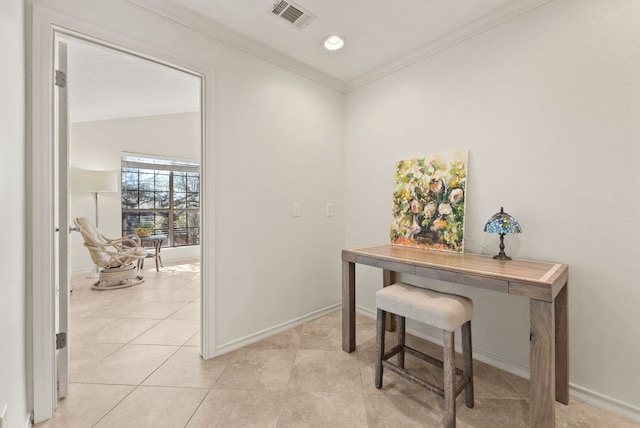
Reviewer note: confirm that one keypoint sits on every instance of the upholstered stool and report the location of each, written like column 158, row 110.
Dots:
column 445, row 311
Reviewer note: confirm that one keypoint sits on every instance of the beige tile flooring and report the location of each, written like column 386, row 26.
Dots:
column 135, row 363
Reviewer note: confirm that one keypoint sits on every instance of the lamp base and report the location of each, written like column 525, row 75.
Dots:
column 501, row 255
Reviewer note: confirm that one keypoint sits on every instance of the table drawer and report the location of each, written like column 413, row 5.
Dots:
column 386, row 264
column 499, row 285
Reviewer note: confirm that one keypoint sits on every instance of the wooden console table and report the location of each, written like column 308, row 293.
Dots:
column 545, row 284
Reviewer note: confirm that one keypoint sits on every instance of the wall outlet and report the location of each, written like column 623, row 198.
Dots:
column 296, row 210
column 3, row 417
column 329, row 209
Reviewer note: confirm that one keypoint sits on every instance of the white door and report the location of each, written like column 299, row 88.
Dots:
column 61, row 172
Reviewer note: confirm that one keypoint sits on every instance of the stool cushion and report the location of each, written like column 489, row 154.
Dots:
column 445, row 311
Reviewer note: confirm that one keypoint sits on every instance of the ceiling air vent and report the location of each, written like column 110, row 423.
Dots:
column 293, row 13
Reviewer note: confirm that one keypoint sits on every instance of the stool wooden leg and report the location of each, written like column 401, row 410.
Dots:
column 468, row 363
column 401, row 335
column 449, row 380
column 379, row 347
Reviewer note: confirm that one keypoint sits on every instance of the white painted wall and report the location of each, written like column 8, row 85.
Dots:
column 13, row 374
column 98, row 145
column 547, row 105
column 278, row 139
column 279, row 142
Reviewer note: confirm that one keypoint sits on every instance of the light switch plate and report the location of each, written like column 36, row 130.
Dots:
column 296, row 210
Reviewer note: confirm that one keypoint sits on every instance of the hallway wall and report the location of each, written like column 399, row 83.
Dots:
column 13, row 317
column 547, row 106
column 277, row 140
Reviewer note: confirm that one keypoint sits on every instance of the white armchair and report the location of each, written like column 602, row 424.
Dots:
column 118, row 259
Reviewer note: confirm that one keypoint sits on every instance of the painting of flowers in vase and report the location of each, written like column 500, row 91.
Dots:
column 429, row 197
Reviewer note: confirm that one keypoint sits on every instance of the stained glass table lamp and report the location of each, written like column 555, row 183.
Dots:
column 502, row 223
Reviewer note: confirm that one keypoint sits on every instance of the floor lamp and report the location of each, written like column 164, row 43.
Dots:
column 96, row 182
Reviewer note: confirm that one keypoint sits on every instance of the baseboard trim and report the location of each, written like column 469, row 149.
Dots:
column 577, row 392
column 256, row 337
column 606, row 403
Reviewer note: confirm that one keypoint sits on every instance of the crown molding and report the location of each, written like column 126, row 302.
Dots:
column 478, row 26
column 224, row 34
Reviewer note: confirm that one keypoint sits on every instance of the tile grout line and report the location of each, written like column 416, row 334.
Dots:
column 147, row 377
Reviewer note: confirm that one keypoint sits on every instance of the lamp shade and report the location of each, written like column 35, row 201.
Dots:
column 85, row 180
column 502, row 223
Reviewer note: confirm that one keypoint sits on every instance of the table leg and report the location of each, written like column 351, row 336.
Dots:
column 561, row 306
column 348, row 306
column 388, row 278
column 542, row 364
column 157, row 250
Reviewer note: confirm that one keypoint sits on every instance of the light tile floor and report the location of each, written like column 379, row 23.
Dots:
column 135, row 363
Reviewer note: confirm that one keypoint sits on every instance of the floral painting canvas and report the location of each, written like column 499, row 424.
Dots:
column 429, row 197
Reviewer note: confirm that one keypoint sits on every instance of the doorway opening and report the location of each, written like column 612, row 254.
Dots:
column 118, row 103
column 45, row 229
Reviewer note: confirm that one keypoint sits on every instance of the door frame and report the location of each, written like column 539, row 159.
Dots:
column 46, row 24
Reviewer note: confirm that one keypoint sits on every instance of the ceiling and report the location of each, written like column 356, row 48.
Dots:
column 379, row 33
column 106, row 84
column 382, row 36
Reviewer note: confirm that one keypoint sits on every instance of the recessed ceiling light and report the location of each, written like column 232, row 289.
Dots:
column 333, row 42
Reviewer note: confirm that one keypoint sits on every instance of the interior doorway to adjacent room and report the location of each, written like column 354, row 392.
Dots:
column 122, row 106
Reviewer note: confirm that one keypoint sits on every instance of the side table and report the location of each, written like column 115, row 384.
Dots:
column 153, row 252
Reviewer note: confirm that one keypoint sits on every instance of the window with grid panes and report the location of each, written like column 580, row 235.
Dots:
column 165, row 193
